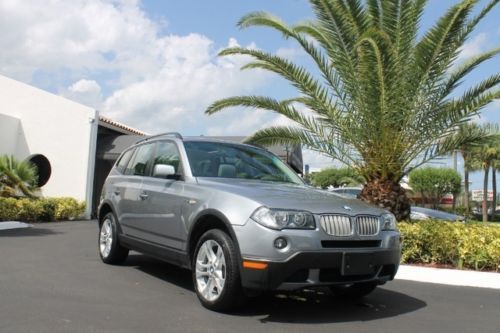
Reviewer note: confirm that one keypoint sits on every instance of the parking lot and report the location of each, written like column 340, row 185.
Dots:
column 52, row 280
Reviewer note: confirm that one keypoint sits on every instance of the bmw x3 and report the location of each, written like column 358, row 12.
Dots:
column 242, row 221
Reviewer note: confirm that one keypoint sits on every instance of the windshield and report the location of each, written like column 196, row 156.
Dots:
column 225, row 160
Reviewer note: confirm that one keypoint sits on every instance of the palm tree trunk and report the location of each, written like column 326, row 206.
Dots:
column 485, row 193
column 389, row 195
column 466, row 187
column 494, row 188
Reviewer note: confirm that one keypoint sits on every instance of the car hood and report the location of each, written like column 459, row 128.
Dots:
column 290, row 196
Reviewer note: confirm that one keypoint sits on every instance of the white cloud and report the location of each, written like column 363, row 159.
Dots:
column 119, row 62
column 84, row 86
column 290, row 53
column 77, row 36
column 175, row 96
column 317, row 161
column 87, row 92
column 496, row 104
column 474, row 47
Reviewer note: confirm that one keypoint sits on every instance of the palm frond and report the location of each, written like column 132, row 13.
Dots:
column 439, row 46
column 458, row 74
column 287, row 135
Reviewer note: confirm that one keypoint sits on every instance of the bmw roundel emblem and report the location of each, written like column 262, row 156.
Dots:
column 347, row 208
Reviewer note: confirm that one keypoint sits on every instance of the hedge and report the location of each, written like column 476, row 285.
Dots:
column 40, row 210
column 469, row 246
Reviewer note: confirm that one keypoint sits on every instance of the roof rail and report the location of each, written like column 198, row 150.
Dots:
column 175, row 134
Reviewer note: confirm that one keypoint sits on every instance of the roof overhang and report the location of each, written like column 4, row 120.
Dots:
column 119, row 127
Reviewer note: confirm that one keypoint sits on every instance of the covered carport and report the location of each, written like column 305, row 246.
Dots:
column 112, row 139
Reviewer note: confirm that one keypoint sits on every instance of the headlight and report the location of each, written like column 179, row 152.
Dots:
column 283, row 219
column 388, row 222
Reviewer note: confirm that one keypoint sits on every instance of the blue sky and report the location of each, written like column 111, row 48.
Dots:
column 153, row 64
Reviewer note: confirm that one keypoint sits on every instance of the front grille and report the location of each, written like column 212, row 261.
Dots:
column 367, row 225
column 344, row 225
column 336, row 225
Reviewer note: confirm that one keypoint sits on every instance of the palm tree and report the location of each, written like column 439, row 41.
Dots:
column 494, row 167
column 485, row 134
column 484, row 156
column 17, row 177
column 382, row 104
column 494, row 189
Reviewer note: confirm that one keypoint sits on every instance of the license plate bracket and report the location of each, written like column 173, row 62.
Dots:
column 358, row 264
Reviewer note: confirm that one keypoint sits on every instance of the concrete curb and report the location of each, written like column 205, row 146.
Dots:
column 452, row 277
column 8, row 225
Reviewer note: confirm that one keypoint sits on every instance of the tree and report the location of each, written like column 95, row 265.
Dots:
column 434, row 183
column 336, row 177
column 383, row 103
column 485, row 134
column 484, row 156
column 17, row 178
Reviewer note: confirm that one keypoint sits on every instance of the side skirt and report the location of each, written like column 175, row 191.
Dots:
column 158, row 251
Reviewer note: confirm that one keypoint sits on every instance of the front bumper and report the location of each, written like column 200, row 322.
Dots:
column 324, row 268
column 314, row 258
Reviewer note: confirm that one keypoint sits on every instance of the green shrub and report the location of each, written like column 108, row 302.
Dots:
column 38, row 210
column 473, row 245
column 29, row 209
column 336, row 177
column 68, row 209
column 8, row 209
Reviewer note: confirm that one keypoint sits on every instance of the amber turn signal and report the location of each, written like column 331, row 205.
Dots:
column 254, row 265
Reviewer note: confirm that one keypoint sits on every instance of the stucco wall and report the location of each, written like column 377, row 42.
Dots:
column 9, row 131
column 62, row 130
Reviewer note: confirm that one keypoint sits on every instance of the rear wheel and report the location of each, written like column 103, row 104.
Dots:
column 215, row 270
column 356, row 290
column 110, row 250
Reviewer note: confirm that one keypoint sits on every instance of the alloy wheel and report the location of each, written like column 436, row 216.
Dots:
column 106, row 238
column 210, row 270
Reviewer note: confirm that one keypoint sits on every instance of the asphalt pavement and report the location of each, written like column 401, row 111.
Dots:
column 52, row 280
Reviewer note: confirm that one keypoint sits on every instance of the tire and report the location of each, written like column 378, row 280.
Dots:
column 354, row 291
column 110, row 250
column 215, row 271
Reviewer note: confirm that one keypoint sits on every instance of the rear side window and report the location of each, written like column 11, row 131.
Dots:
column 138, row 165
column 122, row 163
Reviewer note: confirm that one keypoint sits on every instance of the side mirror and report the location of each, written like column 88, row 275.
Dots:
column 163, row 171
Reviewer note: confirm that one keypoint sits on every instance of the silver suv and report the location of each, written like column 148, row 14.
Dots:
column 241, row 220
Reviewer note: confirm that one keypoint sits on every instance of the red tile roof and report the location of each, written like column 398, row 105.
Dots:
column 121, row 126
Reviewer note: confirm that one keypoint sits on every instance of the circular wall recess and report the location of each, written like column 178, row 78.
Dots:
column 43, row 166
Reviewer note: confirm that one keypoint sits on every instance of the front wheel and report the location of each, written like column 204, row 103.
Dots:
column 110, row 250
column 215, row 270
column 356, row 290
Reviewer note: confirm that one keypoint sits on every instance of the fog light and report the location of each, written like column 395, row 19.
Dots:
column 280, row 243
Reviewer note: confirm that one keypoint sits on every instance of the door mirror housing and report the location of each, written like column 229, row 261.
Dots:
column 163, row 171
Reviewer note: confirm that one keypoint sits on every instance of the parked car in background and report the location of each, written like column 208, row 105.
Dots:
column 417, row 213
column 420, row 214
column 241, row 220
column 478, row 211
column 349, row 192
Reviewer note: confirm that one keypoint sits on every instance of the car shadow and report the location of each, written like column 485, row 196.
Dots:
column 320, row 306
column 305, row 307
column 25, row 232
column 161, row 270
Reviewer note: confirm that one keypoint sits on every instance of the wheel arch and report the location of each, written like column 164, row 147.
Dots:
column 104, row 209
column 207, row 220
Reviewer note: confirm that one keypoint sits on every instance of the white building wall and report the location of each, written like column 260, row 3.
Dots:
column 9, row 129
column 63, row 131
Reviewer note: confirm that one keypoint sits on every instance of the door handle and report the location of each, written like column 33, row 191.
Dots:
column 143, row 196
